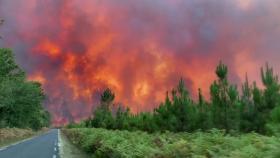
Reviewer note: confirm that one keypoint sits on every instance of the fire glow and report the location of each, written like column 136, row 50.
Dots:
column 138, row 48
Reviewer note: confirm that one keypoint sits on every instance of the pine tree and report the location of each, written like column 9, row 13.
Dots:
column 102, row 116
column 164, row 115
column 183, row 108
column 122, row 118
column 203, row 118
column 107, row 97
column 271, row 98
column 248, row 109
column 200, row 98
column 224, row 101
column 271, row 92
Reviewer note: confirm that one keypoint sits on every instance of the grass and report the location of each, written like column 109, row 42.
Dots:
column 68, row 150
column 9, row 136
column 212, row 144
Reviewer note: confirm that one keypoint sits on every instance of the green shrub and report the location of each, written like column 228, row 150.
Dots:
column 212, row 144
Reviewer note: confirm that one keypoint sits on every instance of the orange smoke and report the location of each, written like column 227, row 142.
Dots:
column 48, row 47
column 140, row 48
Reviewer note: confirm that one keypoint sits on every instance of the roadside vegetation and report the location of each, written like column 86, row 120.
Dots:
column 9, row 136
column 232, row 123
column 20, row 99
column 68, row 149
column 212, row 144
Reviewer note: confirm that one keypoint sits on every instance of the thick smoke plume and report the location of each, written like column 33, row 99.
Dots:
column 138, row 48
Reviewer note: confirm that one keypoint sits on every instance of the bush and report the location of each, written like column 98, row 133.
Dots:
column 212, row 144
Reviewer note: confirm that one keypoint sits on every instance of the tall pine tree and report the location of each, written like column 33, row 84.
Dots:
column 225, row 101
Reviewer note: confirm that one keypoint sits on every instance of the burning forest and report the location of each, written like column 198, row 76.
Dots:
column 139, row 49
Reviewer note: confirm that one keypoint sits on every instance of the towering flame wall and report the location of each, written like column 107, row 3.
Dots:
column 138, row 48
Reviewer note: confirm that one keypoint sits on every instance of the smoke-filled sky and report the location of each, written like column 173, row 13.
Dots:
column 138, row 48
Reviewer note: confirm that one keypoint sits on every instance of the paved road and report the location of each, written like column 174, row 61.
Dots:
column 44, row 146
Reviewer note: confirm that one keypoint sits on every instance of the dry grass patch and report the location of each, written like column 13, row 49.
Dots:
column 12, row 135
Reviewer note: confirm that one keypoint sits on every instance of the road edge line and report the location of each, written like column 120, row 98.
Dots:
column 59, row 144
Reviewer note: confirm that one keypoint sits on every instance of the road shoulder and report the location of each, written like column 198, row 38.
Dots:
column 68, row 150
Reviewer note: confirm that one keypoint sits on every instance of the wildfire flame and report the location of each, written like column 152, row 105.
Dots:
column 138, row 48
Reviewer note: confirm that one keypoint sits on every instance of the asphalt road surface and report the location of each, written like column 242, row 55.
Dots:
column 43, row 146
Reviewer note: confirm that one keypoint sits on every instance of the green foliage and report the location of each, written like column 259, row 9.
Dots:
column 273, row 126
column 102, row 116
column 260, row 107
column 212, row 144
column 20, row 100
column 107, row 97
column 204, row 121
column 9, row 70
column 121, row 121
column 164, row 116
column 177, row 114
column 225, row 101
column 215, row 125
column 222, row 71
column 254, row 110
column 248, row 108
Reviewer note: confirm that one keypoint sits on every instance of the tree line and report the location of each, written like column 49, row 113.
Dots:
column 20, row 100
column 251, row 110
